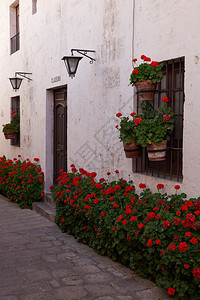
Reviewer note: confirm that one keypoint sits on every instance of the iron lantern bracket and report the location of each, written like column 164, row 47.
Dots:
column 23, row 74
column 84, row 52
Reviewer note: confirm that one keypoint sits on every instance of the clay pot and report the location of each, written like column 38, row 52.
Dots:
column 132, row 150
column 10, row 134
column 157, row 152
column 149, row 87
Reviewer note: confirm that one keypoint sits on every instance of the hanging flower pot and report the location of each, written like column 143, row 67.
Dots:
column 132, row 150
column 157, row 152
column 10, row 134
column 146, row 90
column 11, row 129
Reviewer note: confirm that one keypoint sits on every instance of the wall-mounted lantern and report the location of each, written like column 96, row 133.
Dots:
column 16, row 81
column 71, row 62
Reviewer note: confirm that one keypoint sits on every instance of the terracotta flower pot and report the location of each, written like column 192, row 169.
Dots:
column 10, row 134
column 157, row 152
column 132, row 150
column 149, row 87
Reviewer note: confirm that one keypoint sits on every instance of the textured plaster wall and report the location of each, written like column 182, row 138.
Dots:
column 162, row 30
column 95, row 95
column 166, row 30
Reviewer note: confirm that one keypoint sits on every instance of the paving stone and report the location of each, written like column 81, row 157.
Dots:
column 152, row 294
column 70, row 293
column 104, row 298
column 72, row 280
column 98, row 290
column 54, row 283
column 38, row 276
column 9, row 298
column 38, row 296
column 99, row 277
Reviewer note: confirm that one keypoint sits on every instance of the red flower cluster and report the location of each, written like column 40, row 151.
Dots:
column 171, row 291
column 196, row 273
column 165, row 99
column 137, row 121
column 166, row 118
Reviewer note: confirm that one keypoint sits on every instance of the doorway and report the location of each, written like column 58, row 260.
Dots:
column 60, row 132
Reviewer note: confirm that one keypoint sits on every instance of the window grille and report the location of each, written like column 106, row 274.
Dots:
column 15, row 106
column 171, row 86
column 14, row 28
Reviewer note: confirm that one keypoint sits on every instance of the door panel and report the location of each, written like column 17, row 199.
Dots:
column 60, row 132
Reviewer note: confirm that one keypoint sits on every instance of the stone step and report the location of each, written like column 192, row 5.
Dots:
column 45, row 209
column 49, row 199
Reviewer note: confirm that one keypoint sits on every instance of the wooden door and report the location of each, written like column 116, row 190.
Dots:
column 60, row 131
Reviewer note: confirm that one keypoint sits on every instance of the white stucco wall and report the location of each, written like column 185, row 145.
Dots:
column 166, row 30
column 101, row 89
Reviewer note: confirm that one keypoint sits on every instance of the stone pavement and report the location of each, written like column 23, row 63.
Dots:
column 38, row 262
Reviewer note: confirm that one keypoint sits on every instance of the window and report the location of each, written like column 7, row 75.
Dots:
column 15, row 106
column 172, row 86
column 14, row 27
column 34, row 6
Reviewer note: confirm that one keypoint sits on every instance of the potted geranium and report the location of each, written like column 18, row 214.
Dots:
column 11, row 129
column 128, row 134
column 155, row 130
column 145, row 77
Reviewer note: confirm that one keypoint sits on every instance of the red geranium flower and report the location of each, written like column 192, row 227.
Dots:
column 147, row 59
column 137, row 121
column 166, row 224
column 166, row 118
column 158, row 242
column 108, row 173
column 182, row 247
column 124, row 222
column 160, row 186
column 116, row 171
column 142, row 186
column 194, row 240
column 165, row 99
column 140, row 226
column 196, row 273
column 188, row 234
column 149, row 242
column 135, row 71
column 135, row 59
column 118, row 114
column 63, row 220
column 171, row 291
column 103, row 214
column 177, row 187
column 172, row 247
column 186, row 266
column 132, row 114
column 154, row 63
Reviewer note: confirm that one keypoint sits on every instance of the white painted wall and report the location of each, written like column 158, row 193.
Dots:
column 166, row 30
column 162, row 30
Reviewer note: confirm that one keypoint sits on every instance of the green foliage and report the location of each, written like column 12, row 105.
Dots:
column 155, row 234
column 148, row 127
column 14, row 124
column 21, row 181
column 128, row 129
column 155, row 129
column 147, row 71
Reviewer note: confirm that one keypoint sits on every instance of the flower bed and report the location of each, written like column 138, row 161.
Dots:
column 156, row 235
column 21, row 181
